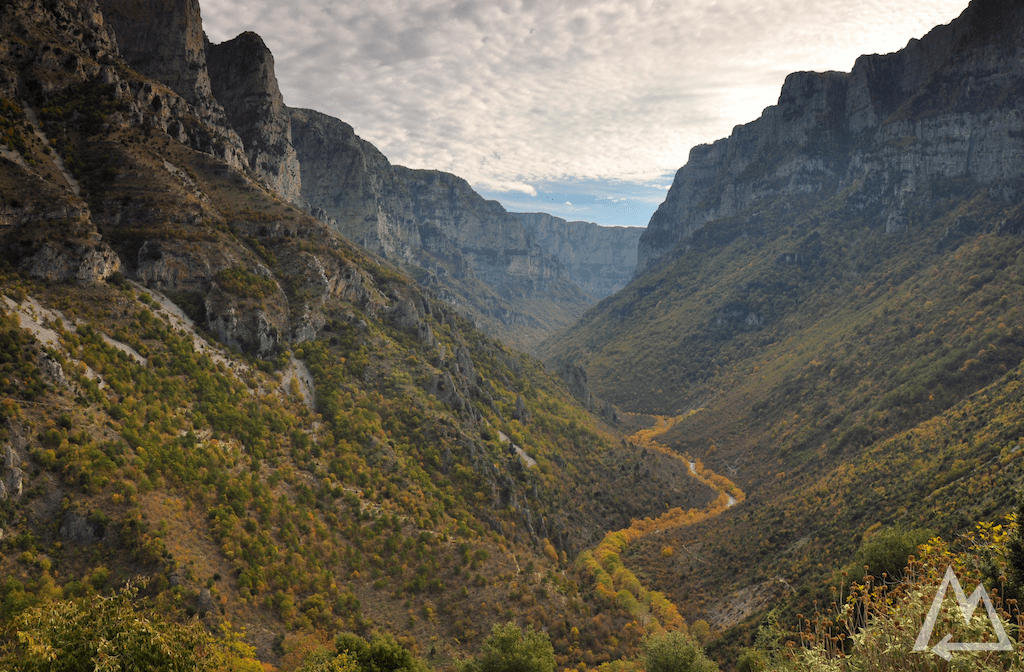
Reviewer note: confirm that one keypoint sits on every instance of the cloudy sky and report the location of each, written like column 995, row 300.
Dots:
column 582, row 108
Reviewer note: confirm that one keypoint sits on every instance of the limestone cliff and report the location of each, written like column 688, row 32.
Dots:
column 945, row 107
column 599, row 259
column 474, row 254
column 242, row 79
column 163, row 39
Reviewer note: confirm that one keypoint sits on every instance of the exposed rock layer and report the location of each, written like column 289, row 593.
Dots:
column 242, row 79
column 942, row 108
column 599, row 259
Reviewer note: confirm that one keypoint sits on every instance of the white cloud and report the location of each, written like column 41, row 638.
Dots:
column 509, row 93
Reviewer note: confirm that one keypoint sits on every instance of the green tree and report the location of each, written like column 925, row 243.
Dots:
column 108, row 634
column 675, row 652
column 886, row 552
column 510, row 649
column 381, row 654
column 325, row 660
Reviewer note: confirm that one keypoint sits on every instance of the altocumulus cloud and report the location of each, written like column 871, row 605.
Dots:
column 514, row 93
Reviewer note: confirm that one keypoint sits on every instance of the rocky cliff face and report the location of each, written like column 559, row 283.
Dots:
column 599, row 259
column 345, row 179
column 945, row 107
column 242, row 79
column 476, row 256
column 429, row 218
column 163, row 40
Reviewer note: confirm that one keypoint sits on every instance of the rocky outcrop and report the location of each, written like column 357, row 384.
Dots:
column 578, row 383
column 254, row 327
column 599, row 259
column 12, row 477
column 85, row 261
column 242, row 79
column 945, row 107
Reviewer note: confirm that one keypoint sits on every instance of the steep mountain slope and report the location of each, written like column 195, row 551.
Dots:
column 826, row 287
column 601, row 260
column 205, row 386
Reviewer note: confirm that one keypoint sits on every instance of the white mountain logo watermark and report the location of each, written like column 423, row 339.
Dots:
column 967, row 606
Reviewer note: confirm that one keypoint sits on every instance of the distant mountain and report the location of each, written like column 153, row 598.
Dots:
column 601, row 260
column 471, row 252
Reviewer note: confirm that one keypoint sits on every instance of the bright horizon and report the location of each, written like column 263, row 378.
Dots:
column 581, row 110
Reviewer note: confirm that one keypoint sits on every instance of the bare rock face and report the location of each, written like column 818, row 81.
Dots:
column 945, row 107
column 163, row 39
column 599, row 259
column 87, row 261
column 344, row 180
column 12, row 478
column 242, row 79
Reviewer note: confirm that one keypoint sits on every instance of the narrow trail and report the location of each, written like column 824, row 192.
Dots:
column 614, row 580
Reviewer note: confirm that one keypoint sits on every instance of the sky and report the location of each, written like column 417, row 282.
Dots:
column 581, row 108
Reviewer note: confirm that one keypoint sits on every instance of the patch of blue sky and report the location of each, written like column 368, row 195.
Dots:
column 605, row 202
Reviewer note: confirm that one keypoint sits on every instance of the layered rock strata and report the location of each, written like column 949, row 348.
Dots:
column 599, row 259
column 945, row 107
column 242, row 79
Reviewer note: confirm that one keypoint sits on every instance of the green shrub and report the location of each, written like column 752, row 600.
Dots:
column 109, row 634
column 241, row 282
column 675, row 652
column 886, row 552
column 510, row 649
